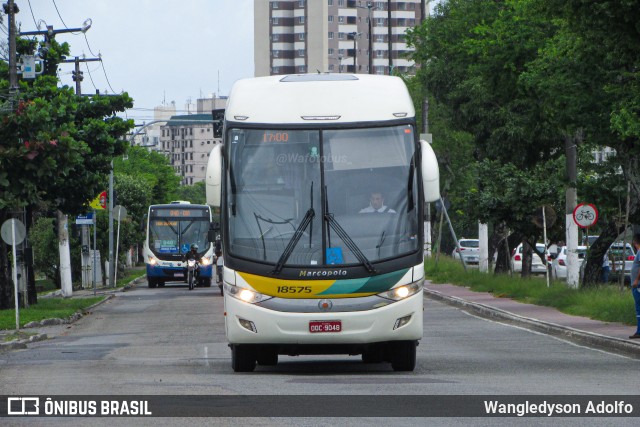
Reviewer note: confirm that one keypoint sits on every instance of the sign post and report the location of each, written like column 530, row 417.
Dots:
column 13, row 233
column 585, row 215
column 120, row 213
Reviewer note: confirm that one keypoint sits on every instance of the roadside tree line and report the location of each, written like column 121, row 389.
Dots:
column 510, row 85
column 56, row 151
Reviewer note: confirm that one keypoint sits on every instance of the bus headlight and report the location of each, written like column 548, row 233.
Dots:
column 205, row 261
column 402, row 292
column 244, row 294
column 152, row 260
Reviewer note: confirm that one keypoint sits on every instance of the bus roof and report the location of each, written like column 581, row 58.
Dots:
column 319, row 98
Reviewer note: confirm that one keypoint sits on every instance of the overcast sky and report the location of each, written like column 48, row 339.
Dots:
column 156, row 50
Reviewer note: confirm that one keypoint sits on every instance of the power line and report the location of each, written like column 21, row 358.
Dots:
column 87, row 41
column 32, row 15
column 90, row 76
column 60, row 16
column 105, row 76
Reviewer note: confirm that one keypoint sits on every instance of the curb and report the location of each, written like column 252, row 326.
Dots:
column 601, row 342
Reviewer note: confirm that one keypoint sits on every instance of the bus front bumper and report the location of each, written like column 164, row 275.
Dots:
column 251, row 324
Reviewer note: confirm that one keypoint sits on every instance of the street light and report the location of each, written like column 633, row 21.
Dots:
column 355, row 54
column 370, row 7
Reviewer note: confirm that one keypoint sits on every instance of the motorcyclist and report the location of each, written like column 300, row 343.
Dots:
column 192, row 254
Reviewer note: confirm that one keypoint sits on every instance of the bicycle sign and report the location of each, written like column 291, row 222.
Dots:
column 585, row 215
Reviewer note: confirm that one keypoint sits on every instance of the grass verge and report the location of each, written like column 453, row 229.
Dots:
column 607, row 302
column 61, row 308
column 47, row 308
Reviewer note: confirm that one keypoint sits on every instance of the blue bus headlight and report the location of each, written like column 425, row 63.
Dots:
column 402, row 292
column 244, row 294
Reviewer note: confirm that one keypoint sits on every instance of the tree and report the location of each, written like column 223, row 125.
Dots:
column 152, row 168
column 193, row 193
column 55, row 147
column 472, row 55
column 588, row 79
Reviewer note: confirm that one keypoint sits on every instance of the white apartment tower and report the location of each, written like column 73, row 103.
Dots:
column 306, row 36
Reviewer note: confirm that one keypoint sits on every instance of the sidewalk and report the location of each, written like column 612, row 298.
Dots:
column 611, row 337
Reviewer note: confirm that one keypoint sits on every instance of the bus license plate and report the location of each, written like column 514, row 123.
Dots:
column 316, row 326
column 178, row 275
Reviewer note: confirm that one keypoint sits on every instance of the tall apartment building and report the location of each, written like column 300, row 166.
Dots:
column 302, row 36
column 188, row 139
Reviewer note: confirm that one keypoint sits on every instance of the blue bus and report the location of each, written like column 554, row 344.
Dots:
column 171, row 231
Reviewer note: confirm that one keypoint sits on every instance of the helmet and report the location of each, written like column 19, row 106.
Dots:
column 194, row 246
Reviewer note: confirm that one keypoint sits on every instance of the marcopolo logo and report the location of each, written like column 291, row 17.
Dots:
column 322, row 273
column 288, row 158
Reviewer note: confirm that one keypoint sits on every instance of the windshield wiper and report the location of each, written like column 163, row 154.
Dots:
column 333, row 223
column 297, row 235
column 294, row 240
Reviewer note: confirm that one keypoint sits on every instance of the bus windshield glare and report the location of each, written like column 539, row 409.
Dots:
column 322, row 197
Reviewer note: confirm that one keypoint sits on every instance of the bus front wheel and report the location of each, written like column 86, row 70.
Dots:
column 243, row 358
column 152, row 283
column 404, row 355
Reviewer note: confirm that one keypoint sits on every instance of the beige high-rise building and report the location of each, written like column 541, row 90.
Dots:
column 306, row 36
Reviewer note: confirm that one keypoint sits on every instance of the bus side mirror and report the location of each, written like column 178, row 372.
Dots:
column 214, row 177
column 430, row 173
column 214, row 230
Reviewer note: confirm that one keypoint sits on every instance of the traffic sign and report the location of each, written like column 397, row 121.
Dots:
column 119, row 212
column 86, row 219
column 13, row 231
column 585, row 215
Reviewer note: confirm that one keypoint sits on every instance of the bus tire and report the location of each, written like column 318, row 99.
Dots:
column 160, row 284
column 152, row 283
column 205, row 282
column 267, row 356
column 243, row 358
column 404, row 355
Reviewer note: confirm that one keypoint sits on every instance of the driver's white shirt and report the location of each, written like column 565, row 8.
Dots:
column 383, row 209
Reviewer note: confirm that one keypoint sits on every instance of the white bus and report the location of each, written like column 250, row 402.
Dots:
column 171, row 230
column 321, row 182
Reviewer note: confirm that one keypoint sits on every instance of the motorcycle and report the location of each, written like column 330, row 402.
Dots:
column 192, row 272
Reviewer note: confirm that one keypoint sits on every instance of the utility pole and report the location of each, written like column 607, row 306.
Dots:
column 573, row 273
column 77, row 74
column 427, row 221
column 370, row 6
column 11, row 9
column 389, row 35
column 355, row 53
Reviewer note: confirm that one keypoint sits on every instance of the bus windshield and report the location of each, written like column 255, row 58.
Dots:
column 174, row 235
column 322, row 197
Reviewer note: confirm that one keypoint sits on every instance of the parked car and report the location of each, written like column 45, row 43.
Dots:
column 559, row 264
column 622, row 259
column 537, row 266
column 470, row 251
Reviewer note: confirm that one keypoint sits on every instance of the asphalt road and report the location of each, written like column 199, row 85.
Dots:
column 170, row 341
